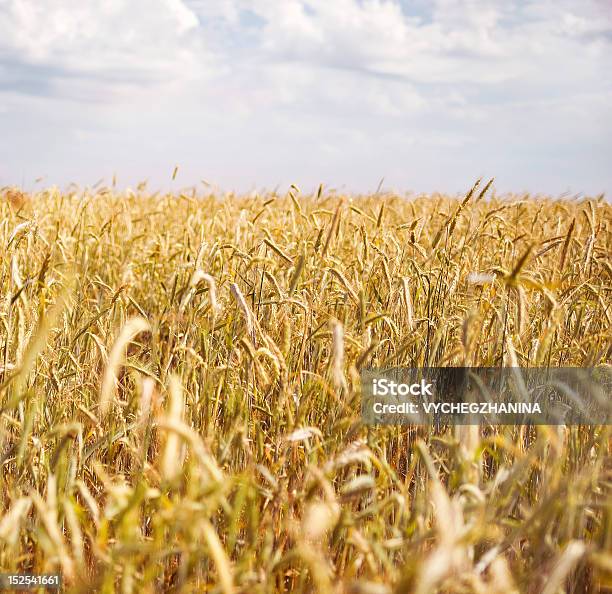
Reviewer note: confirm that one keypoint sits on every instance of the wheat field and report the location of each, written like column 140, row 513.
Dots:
column 180, row 396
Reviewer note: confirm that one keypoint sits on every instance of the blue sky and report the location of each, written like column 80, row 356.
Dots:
column 247, row 94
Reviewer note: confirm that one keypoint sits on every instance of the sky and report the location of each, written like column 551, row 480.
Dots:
column 425, row 95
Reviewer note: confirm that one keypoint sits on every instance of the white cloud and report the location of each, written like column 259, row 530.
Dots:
column 466, row 41
column 347, row 89
column 117, row 40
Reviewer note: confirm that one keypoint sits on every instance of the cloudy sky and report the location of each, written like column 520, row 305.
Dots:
column 427, row 94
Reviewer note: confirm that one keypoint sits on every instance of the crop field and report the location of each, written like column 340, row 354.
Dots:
column 180, row 393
